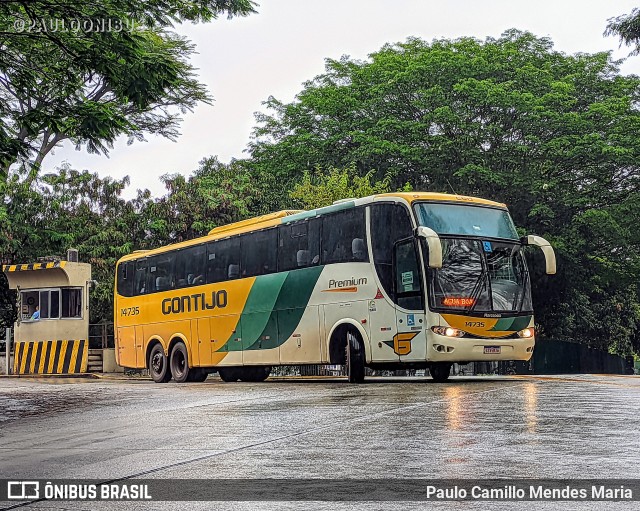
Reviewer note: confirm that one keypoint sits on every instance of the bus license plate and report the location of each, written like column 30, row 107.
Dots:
column 491, row 350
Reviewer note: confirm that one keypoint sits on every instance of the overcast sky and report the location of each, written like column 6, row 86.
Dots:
column 244, row 61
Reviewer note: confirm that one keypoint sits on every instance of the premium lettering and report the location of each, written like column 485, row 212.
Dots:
column 347, row 283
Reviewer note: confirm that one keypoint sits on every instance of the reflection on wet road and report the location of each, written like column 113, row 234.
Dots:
column 471, row 427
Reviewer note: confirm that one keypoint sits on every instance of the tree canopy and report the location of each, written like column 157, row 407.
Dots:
column 552, row 135
column 627, row 28
column 92, row 71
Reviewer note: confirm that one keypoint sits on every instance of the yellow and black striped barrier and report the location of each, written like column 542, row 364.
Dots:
column 33, row 266
column 50, row 357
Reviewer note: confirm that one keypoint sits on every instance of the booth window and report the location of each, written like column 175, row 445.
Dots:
column 53, row 303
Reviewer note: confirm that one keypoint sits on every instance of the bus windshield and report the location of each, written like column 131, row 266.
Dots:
column 466, row 220
column 481, row 276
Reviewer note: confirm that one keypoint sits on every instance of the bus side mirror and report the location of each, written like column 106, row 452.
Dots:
column 435, row 246
column 547, row 250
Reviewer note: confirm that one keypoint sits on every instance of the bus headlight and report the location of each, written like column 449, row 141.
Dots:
column 447, row 331
column 526, row 333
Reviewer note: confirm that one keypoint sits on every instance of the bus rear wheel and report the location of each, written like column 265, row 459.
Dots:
column 355, row 358
column 440, row 371
column 179, row 363
column 159, row 365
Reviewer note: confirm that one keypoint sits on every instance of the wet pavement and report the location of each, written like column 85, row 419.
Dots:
column 577, row 426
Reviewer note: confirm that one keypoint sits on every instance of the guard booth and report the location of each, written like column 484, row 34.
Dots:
column 51, row 332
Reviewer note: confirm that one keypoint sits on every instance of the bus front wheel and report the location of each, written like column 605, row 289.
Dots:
column 179, row 363
column 159, row 365
column 355, row 358
column 440, row 371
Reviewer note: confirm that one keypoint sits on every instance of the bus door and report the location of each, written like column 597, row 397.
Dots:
column 127, row 346
column 218, row 336
column 382, row 324
column 410, row 340
column 204, row 340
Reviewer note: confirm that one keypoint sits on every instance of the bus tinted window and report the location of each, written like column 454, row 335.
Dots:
column 299, row 245
column 190, row 266
column 344, row 237
column 140, row 278
column 259, row 253
column 223, row 260
column 125, row 278
column 161, row 272
column 389, row 224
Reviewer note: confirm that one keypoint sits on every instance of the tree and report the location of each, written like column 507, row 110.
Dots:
column 92, row 71
column 627, row 28
column 71, row 209
column 325, row 188
column 552, row 135
column 216, row 194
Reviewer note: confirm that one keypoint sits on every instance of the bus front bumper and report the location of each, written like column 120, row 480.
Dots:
column 445, row 349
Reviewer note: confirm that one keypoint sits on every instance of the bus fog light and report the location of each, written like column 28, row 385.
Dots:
column 447, row 331
column 526, row 333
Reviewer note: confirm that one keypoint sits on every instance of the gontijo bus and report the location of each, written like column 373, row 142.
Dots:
column 399, row 280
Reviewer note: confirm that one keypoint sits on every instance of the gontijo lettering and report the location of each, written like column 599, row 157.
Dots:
column 195, row 302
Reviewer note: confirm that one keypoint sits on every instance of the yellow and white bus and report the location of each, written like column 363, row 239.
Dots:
column 398, row 280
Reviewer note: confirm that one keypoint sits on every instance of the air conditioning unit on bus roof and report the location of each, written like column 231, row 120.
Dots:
column 344, row 200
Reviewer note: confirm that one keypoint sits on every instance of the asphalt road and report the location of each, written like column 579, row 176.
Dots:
column 471, row 427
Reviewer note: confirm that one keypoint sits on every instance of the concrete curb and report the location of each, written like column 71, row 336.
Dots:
column 90, row 376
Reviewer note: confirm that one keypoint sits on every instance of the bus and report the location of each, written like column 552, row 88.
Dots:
column 391, row 281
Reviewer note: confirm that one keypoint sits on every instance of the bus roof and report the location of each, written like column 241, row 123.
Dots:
column 286, row 216
column 429, row 196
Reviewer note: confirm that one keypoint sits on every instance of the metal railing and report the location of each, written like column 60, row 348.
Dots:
column 101, row 336
column 6, row 348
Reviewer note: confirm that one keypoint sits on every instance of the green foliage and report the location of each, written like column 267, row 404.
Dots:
column 49, row 214
column 216, row 194
column 325, row 188
column 552, row 135
column 91, row 86
column 72, row 209
column 627, row 28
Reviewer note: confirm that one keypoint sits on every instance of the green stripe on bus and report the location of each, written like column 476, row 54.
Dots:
column 274, row 308
column 290, row 306
column 294, row 298
column 315, row 212
column 256, row 312
column 520, row 323
column 511, row 324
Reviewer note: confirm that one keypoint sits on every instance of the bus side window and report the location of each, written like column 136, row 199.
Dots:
column 160, row 274
column 299, row 245
column 389, row 223
column 181, row 268
column 259, row 253
column 140, row 279
column 190, row 266
column 408, row 282
column 125, row 278
column 344, row 237
column 222, row 258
